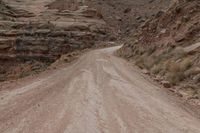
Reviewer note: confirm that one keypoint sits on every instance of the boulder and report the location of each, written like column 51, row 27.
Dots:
column 145, row 71
column 196, row 78
column 166, row 84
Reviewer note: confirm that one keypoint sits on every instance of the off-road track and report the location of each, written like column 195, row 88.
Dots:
column 98, row 93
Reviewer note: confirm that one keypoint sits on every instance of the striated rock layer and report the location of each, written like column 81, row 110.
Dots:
column 38, row 32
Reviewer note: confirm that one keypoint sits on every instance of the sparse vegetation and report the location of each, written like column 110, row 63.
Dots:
column 166, row 43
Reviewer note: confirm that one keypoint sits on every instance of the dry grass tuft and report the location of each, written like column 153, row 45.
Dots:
column 156, row 69
column 176, row 71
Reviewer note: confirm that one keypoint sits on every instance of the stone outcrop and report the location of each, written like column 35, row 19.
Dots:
column 43, row 38
column 126, row 15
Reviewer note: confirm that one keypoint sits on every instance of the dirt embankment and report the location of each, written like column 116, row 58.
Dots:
column 167, row 47
column 36, row 34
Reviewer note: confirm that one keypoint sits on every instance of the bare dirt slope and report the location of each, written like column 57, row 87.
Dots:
column 98, row 93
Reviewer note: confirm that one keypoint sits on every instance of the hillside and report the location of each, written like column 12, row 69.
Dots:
column 168, row 47
column 124, row 16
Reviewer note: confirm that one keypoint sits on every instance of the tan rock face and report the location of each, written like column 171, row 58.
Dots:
column 43, row 30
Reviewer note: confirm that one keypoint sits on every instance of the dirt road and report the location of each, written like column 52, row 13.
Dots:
column 99, row 93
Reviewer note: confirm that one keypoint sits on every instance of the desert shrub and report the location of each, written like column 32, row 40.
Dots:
column 140, row 62
column 175, row 77
column 176, row 71
column 158, row 59
column 173, row 67
column 185, row 64
column 149, row 62
column 156, row 69
column 179, row 53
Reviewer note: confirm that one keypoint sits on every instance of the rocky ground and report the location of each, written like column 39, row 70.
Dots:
column 124, row 16
column 167, row 47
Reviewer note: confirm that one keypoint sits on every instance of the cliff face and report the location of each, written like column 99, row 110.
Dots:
column 34, row 36
column 126, row 15
column 168, row 46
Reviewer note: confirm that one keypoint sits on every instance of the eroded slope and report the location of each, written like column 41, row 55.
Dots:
column 168, row 46
column 126, row 15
